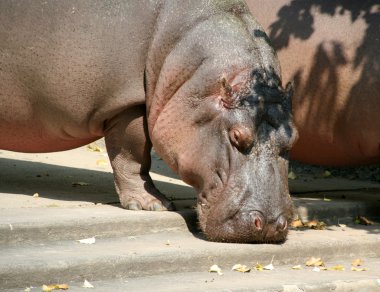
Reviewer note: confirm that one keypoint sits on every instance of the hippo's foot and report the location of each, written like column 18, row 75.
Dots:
column 128, row 147
column 148, row 198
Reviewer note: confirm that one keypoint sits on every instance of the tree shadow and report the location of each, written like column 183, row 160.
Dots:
column 317, row 93
column 325, row 64
column 296, row 20
column 56, row 182
column 22, row 179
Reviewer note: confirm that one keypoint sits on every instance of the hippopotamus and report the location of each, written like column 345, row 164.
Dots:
column 331, row 51
column 197, row 80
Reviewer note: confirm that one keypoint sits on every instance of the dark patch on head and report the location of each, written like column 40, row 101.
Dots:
column 269, row 106
column 264, row 87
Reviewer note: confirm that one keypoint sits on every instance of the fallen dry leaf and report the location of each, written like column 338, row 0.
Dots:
column 292, row 175
column 269, row 267
column 259, row 267
column 87, row 284
column 314, row 262
column 80, row 183
column 241, row 268
column 355, row 269
column 326, row 173
column 297, row 267
column 315, row 224
column 363, row 220
column 48, row 288
column 215, row 269
column 337, row 268
column 45, row 288
column 94, row 148
column 101, row 162
column 296, row 223
column 356, row 262
column 90, row 240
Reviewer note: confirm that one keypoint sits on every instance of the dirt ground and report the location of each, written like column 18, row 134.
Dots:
column 365, row 173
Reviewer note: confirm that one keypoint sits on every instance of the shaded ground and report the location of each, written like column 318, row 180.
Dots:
column 81, row 177
column 139, row 250
column 364, row 173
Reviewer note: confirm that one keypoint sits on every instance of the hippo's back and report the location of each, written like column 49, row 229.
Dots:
column 66, row 66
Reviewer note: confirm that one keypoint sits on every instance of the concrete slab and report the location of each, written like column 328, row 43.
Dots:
column 280, row 279
column 37, row 234
column 174, row 252
column 41, row 225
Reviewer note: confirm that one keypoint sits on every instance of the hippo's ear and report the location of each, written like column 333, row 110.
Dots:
column 227, row 94
column 289, row 91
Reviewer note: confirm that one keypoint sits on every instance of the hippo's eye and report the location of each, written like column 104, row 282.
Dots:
column 241, row 137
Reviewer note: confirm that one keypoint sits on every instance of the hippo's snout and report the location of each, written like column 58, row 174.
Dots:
column 249, row 227
column 269, row 230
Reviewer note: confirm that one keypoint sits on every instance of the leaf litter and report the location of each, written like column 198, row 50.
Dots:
column 269, row 267
column 363, row 220
column 94, row 148
column 326, row 174
column 90, row 240
column 337, row 268
column 313, row 224
column 241, row 268
column 101, row 162
column 296, row 223
column 80, row 183
column 259, row 267
column 319, row 265
column 49, row 288
column 314, row 262
column 87, row 284
column 356, row 262
column 355, row 269
column 292, row 175
column 215, row 269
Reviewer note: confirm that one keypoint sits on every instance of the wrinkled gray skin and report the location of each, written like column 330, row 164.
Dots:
column 212, row 103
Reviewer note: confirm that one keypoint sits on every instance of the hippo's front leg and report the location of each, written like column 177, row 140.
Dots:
column 129, row 147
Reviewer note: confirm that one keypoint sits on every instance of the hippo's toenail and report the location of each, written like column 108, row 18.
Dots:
column 134, row 206
column 156, row 207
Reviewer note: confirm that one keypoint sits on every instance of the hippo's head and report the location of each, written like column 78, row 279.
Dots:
column 232, row 146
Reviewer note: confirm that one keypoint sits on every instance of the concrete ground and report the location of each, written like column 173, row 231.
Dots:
column 49, row 201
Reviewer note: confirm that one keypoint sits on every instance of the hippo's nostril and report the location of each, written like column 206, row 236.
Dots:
column 282, row 223
column 258, row 221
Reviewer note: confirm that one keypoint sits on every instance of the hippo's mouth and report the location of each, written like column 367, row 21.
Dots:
column 242, row 226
